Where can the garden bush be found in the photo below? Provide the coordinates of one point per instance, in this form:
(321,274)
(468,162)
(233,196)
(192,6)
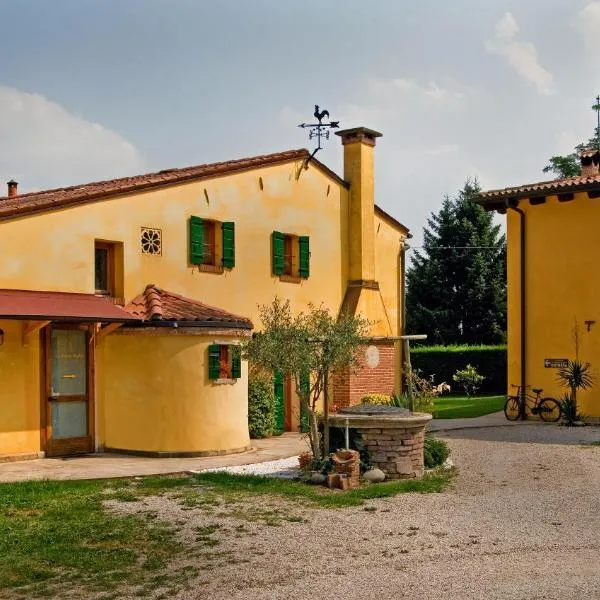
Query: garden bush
(435,452)
(261,406)
(379,399)
(443,361)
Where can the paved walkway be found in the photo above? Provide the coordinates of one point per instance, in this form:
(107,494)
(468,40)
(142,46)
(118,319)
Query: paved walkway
(496,419)
(100,466)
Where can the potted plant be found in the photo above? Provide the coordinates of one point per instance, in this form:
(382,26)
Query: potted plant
(575,376)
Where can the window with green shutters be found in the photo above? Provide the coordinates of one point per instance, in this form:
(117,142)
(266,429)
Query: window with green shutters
(290,255)
(224,361)
(205,249)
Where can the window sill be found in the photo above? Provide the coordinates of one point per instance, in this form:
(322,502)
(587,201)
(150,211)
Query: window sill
(218,269)
(224,381)
(290,279)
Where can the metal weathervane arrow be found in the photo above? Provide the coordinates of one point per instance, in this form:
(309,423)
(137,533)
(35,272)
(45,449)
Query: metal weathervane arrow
(319,130)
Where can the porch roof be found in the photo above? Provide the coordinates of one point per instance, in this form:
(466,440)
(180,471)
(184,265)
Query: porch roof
(60,306)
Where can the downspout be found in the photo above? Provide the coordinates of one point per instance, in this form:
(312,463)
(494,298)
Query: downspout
(522,270)
(403,250)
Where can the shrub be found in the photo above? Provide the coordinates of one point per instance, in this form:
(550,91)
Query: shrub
(379,399)
(435,452)
(261,406)
(469,379)
(443,361)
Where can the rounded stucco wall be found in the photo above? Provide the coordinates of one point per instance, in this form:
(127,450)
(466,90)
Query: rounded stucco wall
(156,396)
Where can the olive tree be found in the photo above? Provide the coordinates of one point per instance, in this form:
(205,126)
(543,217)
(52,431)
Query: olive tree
(313,342)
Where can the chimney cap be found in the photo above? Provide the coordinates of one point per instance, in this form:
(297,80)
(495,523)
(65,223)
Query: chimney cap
(359,134)
(13,182)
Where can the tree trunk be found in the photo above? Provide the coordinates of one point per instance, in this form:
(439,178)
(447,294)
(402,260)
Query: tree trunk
(314,434)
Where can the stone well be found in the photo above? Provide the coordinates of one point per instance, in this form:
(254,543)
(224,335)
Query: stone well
(394,436)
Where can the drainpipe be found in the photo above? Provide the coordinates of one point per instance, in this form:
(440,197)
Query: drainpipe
(522,270)
(403,250)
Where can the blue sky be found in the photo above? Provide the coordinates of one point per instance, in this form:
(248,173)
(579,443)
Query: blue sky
(97,89)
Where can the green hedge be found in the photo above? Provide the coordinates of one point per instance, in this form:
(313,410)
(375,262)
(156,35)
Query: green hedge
(443,361)
(261,407)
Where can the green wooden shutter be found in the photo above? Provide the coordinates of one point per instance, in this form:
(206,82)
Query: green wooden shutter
(228,245)
(279,401)
(214,361)
(305,389)
(236,362)
(278,253)
(196,240)
(304,246)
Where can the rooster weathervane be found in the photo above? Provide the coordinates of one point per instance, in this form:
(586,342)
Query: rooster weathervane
(319,130)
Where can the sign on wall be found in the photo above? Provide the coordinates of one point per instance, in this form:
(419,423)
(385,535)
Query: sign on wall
(372,356)
(556,363)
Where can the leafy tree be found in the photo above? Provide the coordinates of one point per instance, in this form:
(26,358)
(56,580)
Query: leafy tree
(569,165)
(456,290)
(315,343)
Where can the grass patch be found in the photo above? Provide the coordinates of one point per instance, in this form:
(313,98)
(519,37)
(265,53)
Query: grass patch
(228,484)
(53,533)
(56,536)
(462,407)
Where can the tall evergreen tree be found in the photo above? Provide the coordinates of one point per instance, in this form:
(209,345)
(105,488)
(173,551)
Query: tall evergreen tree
(456,290)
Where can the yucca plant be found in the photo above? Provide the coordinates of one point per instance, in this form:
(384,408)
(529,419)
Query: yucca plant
(575,376)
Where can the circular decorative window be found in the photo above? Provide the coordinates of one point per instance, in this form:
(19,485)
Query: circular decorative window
(151,241)
(372,356)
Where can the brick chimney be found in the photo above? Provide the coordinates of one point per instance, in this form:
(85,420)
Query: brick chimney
(359,145)
(12,188)
(590,162)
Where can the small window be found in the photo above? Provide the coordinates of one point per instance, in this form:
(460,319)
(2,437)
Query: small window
(290,255)
(104,269)
(224,362)
(212,244)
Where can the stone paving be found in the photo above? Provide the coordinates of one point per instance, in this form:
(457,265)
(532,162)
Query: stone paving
(100,466)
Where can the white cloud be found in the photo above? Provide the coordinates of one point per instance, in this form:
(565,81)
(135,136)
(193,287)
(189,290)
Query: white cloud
(588,22)
(44,145)
(382,89)
(521,56)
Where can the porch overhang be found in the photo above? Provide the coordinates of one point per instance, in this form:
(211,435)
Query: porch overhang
(32,305)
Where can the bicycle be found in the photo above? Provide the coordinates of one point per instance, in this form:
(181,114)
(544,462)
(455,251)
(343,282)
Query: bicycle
(548,409)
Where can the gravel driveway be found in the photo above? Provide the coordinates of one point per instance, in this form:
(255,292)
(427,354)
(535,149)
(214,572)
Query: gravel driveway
(522,522)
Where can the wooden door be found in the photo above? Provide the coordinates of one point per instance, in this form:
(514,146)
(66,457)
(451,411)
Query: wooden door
(69,409)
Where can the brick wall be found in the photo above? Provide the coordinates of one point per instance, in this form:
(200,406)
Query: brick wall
(350,387)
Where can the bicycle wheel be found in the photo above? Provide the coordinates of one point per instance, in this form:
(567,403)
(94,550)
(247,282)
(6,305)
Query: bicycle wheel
(512,408)
(550,410)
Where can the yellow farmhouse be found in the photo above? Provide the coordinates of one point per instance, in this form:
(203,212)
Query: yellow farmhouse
(553,293)
(123,303)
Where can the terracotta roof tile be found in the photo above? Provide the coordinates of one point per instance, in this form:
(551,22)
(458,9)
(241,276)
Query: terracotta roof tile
(79,194)
(60,306)
(555,186)
(156,304)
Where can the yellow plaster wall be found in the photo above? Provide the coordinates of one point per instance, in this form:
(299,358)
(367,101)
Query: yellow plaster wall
(156,396)
(54,251)
(19,391)
(563,254)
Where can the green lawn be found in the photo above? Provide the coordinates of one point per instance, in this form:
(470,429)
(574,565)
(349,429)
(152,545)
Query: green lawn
(460,407)
(58,539)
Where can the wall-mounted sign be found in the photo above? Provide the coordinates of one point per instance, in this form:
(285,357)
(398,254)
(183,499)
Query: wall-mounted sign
(372,356)
(556,363)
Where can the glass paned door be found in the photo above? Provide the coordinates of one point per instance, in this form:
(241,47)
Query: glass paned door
(68,398)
